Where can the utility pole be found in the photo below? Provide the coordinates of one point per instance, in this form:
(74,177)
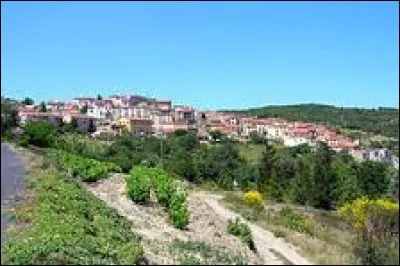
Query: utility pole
(162,151)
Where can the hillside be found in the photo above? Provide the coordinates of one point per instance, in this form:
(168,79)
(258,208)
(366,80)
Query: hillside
(384,121)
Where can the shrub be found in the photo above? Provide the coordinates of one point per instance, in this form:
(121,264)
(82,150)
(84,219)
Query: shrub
(279,233)
(193,252)
(164,188)
(24,142)
(376,223)
(178,211)
(89,170)
(253,199)
(41,134)
(138,184)
(242,231)
(291,220)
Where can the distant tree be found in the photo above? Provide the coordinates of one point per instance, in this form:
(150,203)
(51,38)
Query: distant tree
(84,109)
(42,107)
(27,101)
(256,138)
(267,167)
(216,135)
(285,171)
(9,115)
(300,188)
(180,162)
(373,179)
(187,142)
(74,124)
(346,187)
(300,149)
(323,178)
(179,132)
(99,97)
(41,134)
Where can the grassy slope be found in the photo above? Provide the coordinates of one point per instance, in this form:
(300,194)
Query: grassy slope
(60,223)
(253,152)
(384,121)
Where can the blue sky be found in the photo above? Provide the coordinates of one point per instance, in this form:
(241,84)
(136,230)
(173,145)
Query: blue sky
(208,54)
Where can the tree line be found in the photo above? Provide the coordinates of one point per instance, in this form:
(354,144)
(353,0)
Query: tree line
(311,176)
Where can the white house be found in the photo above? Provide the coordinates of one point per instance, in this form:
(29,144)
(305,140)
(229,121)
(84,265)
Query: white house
(99,111)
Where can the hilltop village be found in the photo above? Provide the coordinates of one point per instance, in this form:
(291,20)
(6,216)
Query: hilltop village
(143,116)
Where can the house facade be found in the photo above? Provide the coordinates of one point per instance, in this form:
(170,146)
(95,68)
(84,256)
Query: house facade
(141,126)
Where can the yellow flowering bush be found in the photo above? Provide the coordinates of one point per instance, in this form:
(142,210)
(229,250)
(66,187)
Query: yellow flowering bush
(377,227)
(254,199)
(362,211)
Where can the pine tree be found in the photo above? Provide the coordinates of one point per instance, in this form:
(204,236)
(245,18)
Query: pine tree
(43,107)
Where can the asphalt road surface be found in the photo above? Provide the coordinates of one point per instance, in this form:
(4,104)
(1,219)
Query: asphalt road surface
(12,183)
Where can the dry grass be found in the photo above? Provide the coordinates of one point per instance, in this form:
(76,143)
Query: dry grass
(330,245)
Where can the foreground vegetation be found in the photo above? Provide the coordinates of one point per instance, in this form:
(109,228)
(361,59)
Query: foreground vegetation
(363,232)
(200,253)
(242,231)
(61,223)
(298,175)
(321,237)
(376,224)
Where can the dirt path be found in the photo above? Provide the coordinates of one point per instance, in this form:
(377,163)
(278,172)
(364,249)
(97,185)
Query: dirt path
(264,240)
(151,222)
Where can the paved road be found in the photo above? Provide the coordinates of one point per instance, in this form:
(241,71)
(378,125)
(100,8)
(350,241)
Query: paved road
(12,181)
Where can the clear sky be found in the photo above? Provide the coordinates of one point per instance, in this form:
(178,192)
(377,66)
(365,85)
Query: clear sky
(207,54)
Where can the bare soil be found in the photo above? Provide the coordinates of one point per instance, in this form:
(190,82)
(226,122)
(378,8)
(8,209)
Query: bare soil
(151,222)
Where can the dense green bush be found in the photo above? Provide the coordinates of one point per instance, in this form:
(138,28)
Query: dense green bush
(24,142)
(41,133)
(178,211)
(138,184)
(143,179)
(242,231)
(9,115)
(164,187)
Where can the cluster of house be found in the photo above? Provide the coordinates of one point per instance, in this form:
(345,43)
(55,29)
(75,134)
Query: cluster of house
(289,133)
(136,114)
(143,116)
